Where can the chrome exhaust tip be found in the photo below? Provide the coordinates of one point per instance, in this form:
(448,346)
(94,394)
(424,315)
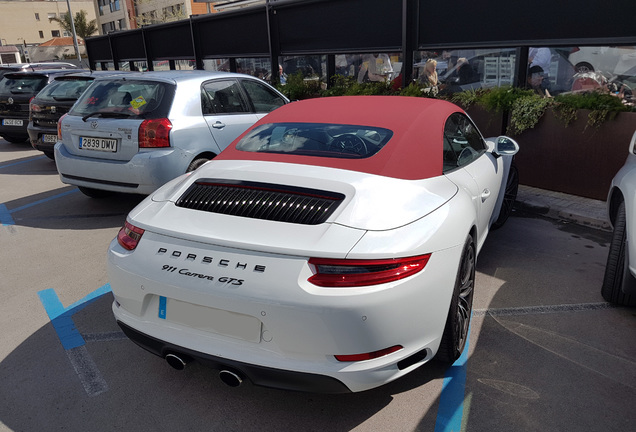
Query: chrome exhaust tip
(230,378)
(176,362)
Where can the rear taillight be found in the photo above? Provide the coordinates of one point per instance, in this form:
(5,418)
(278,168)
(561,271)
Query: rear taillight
(59,127)
(342,273)
(368,356)
(33,107)
(155,133)
(129,236)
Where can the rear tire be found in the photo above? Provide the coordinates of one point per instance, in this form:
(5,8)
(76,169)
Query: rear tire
(617,275)
(15,140)
(196,164)
(50,155)
(94,193)
(461,307)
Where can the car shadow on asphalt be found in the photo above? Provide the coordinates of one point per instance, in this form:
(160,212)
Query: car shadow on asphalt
(31,165)
(45,389)
(67,208)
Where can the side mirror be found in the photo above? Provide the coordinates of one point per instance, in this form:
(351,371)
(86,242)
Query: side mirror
(505,146)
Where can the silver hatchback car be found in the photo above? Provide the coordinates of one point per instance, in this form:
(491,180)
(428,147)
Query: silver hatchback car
(133,133)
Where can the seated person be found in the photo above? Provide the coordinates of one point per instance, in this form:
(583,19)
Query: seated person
(535,80)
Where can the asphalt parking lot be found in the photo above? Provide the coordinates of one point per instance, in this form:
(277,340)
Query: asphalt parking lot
(546,353)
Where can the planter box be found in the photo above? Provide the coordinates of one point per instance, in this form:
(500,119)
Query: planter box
(576,159)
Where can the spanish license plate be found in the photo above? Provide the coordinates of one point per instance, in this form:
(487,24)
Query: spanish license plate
(12,122)
(49,138)
(100,144)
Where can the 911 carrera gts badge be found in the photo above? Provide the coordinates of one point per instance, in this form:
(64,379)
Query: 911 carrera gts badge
(189,273)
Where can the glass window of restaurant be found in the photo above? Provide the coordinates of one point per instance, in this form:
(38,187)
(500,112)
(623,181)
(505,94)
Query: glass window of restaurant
(311,67)
(218,64)
(451,71)
(256,66)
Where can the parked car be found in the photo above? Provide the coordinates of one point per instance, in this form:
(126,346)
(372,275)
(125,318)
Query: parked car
(331,248)
(614,60)
(132,134)
(17,67)
(53,101)
(619,282)
(16,91)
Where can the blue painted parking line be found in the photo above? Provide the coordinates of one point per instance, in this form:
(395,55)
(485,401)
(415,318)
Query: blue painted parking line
(5,214)
(451,401)
(62,319)
(22,162)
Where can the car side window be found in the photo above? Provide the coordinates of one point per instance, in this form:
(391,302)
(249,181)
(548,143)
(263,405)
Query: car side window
(223,97)
(262,97)
(462,142)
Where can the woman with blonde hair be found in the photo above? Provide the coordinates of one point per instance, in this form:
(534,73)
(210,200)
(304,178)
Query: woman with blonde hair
(430,73)
(429,76)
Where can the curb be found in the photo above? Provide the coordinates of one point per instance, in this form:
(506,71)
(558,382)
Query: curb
(557,205)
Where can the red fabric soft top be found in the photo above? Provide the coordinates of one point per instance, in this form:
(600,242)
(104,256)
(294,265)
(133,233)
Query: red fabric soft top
(414,152)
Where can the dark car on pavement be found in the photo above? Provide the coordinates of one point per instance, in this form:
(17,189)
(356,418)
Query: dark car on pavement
(16,91)
(53,101)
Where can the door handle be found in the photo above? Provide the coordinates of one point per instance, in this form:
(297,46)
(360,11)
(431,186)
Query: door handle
(218,125)
(485,195)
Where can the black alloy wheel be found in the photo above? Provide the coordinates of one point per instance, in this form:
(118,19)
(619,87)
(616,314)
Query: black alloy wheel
(458,321)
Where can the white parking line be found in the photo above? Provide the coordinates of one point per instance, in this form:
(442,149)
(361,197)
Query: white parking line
(530,310)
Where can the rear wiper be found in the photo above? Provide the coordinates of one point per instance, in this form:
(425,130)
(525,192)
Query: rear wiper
(107,114)
(63,99)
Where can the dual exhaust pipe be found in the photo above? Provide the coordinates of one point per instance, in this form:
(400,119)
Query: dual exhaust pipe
(229,377)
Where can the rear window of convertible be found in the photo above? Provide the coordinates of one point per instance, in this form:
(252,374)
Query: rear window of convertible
(316,139)
(130,98)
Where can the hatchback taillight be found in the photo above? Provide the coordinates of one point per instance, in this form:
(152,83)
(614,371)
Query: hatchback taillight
(343,273)
(59,127)
(155,133)
(129,236)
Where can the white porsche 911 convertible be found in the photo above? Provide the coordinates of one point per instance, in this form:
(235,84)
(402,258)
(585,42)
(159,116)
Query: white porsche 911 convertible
(331,248)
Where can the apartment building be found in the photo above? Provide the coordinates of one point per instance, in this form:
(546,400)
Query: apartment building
(116,15)
(26,22)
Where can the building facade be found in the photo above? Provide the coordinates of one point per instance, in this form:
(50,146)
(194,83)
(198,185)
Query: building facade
(26,22)
(116,15)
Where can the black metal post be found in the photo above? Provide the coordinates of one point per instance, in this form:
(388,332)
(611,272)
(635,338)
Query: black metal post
(274,42)
(409,37)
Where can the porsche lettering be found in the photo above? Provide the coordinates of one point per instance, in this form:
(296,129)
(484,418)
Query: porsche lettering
(209,260)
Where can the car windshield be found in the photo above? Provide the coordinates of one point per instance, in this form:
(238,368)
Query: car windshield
(22,84)
(63,90)
(130,98)
(316,139)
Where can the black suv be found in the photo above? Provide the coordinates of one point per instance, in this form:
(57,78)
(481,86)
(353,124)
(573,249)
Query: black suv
(52,102)
(16,91)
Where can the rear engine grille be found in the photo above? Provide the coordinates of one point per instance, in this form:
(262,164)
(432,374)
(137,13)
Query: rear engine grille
(261,201)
